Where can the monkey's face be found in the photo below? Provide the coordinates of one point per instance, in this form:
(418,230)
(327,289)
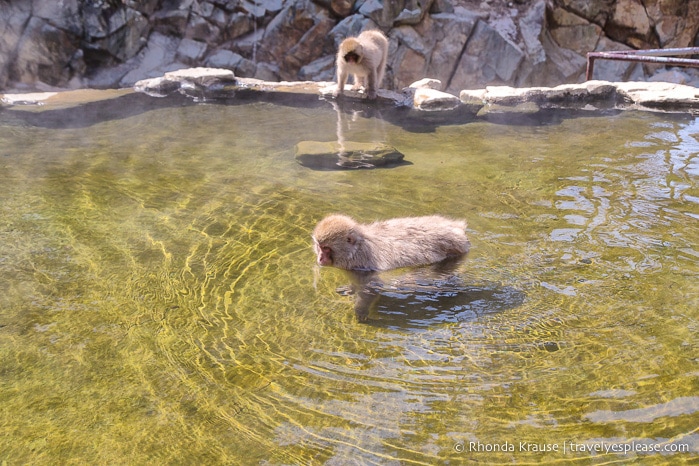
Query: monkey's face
(351,51)
(324,253)
(336,242)
(352,57)
(336,252)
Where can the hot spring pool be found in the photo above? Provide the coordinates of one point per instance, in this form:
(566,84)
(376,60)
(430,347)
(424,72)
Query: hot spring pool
(159,302)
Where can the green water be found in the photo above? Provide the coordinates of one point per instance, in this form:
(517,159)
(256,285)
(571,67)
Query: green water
(159,302)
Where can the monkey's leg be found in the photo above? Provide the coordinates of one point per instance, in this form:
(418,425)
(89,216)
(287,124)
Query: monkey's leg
(371,84)
(381,72)
(358,82)
(365,301)
(341,81)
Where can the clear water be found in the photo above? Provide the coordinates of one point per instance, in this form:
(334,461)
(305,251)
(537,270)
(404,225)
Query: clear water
(159,301)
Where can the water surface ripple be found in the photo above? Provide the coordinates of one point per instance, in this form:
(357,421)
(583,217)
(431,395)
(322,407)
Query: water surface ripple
(159,301)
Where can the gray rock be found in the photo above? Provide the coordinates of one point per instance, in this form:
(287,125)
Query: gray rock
(44,54)
(347,155)
(532,27)
(15,17)
(442,6)
(309,47)
(160,50)
(240,24)
(413,13)
(255,9)
(267,72)
(341,8)
(170,22)
(200,29)
(223,59)
(488,58)
(322,69)
(427,83)
(195,82)
(299,22)
(452,33)
(109,77)
(349,27)
(190,51)
(594,11)
(232,61)
(431,100)
(670,76)
(465,44)
(118,35)
(64,15)
(373,9)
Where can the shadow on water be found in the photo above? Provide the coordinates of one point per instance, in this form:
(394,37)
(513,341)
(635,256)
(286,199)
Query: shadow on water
(414,121)
(135,103)
(426,296)
(90,113)
(406,307)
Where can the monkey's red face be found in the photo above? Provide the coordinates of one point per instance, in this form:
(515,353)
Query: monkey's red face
(325,256)
(351,57)
(324,253)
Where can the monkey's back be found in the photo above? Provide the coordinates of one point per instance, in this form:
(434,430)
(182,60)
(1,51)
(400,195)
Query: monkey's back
(402,242)
(375,37)
(376,47)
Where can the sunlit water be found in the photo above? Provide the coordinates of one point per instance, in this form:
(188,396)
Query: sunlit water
(159,301)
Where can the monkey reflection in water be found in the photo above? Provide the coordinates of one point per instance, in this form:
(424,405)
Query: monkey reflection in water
(365,249)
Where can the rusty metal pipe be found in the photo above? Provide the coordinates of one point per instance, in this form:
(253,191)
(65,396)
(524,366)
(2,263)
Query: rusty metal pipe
(657,52)
(655,56)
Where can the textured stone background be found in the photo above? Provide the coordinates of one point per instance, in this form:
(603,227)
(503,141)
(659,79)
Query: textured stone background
(467,44)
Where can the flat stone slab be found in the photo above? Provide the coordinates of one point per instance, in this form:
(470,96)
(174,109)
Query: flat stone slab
(186,81)
(589,95)
(348,155)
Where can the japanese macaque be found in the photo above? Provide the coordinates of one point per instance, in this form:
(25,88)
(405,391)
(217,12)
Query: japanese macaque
(341,242)
(364,57)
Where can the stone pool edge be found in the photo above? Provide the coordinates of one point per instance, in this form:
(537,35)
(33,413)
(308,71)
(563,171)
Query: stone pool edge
(422,96)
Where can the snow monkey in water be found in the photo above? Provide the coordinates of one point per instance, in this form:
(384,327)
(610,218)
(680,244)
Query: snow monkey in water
(365,249)
(364,57)
(341,242)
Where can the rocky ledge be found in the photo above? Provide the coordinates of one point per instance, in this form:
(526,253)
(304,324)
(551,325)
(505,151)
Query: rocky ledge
(424,96)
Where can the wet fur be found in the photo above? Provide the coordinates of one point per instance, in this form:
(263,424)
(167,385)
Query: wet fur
(388,244)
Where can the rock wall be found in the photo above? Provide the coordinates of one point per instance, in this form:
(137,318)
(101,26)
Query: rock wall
(467,44)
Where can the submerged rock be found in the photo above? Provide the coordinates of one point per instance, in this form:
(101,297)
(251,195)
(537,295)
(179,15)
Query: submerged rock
(348,155)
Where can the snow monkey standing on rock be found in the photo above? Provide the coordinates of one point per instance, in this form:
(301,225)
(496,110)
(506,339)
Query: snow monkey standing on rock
(364,57)
(341,242)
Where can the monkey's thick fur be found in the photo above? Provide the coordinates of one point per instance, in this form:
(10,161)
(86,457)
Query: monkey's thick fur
(341,242)
(364,57)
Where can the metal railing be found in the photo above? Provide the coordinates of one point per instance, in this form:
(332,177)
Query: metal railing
(655,56)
